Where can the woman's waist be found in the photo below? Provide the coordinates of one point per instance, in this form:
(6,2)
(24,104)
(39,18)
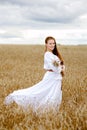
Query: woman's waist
(50,70)
(53,75)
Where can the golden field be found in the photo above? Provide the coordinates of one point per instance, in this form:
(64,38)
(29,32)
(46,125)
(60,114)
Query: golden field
(21,66)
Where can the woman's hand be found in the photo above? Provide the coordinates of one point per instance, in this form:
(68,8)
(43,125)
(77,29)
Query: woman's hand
(63,70)
(63,67)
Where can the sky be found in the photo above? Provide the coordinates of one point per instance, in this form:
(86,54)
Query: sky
(31,21)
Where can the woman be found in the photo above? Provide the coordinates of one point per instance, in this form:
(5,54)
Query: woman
(47,93)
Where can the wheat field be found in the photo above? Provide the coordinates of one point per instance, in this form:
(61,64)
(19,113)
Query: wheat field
(21,66)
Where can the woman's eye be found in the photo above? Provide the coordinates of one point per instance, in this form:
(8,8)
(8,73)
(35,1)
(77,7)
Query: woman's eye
(50,43)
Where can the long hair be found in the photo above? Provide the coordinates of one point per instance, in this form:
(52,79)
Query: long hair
(55,51)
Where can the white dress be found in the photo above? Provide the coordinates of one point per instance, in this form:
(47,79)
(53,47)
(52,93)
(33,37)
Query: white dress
(45,94)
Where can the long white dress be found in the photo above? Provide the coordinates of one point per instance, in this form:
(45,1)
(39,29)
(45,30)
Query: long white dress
(45,94)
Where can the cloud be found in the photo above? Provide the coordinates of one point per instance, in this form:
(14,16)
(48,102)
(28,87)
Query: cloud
(22,20)
(10,34)
(27,36)
(27,13)
(10,15)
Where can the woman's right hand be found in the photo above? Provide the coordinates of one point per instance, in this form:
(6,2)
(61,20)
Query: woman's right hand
(62,70)
(63,67)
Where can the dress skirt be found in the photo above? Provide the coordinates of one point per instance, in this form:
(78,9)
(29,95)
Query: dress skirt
(45,94)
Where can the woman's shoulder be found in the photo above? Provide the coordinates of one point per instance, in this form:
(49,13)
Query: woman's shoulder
(48,55)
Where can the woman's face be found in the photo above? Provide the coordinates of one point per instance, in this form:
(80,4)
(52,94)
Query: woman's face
(50,45)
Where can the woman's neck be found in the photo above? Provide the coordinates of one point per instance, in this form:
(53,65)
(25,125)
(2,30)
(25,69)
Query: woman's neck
(49,51)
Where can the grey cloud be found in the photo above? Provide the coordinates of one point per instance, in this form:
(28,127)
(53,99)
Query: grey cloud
(27,2)
(40,12)
(55,13)
(10,15)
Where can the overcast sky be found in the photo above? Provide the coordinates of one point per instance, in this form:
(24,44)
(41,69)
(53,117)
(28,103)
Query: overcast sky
(30,21)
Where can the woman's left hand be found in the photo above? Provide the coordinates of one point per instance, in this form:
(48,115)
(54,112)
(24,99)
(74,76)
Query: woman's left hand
(63,67)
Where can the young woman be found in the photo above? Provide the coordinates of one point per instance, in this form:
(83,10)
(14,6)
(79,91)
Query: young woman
(47,93)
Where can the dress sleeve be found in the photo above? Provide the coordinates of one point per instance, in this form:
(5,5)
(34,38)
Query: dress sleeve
(48,63)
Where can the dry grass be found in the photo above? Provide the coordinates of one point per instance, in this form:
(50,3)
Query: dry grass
(21,66)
